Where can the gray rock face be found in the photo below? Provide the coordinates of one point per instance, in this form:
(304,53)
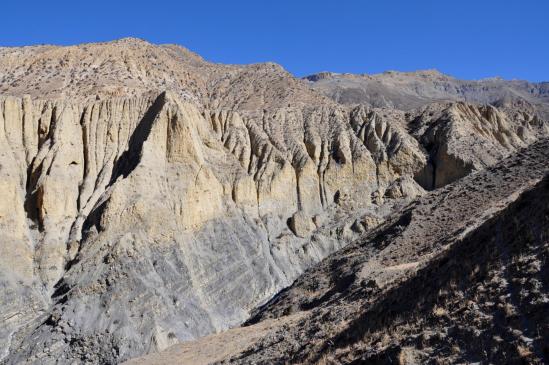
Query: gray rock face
(150,197)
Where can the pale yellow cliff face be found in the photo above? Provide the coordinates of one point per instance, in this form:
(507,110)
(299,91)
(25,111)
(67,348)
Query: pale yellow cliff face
(190,164)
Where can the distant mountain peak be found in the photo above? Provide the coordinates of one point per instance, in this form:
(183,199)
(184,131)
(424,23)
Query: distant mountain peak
(321,76)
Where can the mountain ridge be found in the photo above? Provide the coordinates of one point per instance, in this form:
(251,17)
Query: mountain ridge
(408,90)
(426,72)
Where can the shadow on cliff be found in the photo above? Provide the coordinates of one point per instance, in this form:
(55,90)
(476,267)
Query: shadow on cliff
(129,160)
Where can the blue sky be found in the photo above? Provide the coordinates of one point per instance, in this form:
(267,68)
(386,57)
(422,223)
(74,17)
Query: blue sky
(467,39)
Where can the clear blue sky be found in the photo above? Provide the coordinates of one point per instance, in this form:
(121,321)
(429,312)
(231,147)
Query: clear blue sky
(467,39)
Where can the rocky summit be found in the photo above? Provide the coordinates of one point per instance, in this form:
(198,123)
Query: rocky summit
(159,208)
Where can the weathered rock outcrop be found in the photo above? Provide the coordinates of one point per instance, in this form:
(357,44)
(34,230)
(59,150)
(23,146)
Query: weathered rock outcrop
(460,138)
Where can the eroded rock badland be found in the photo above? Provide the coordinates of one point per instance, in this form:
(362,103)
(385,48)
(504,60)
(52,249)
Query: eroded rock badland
(152,202)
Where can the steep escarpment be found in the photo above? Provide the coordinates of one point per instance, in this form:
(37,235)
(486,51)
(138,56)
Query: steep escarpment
(476,250)
(151,197)
(124,203)
(56,162)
